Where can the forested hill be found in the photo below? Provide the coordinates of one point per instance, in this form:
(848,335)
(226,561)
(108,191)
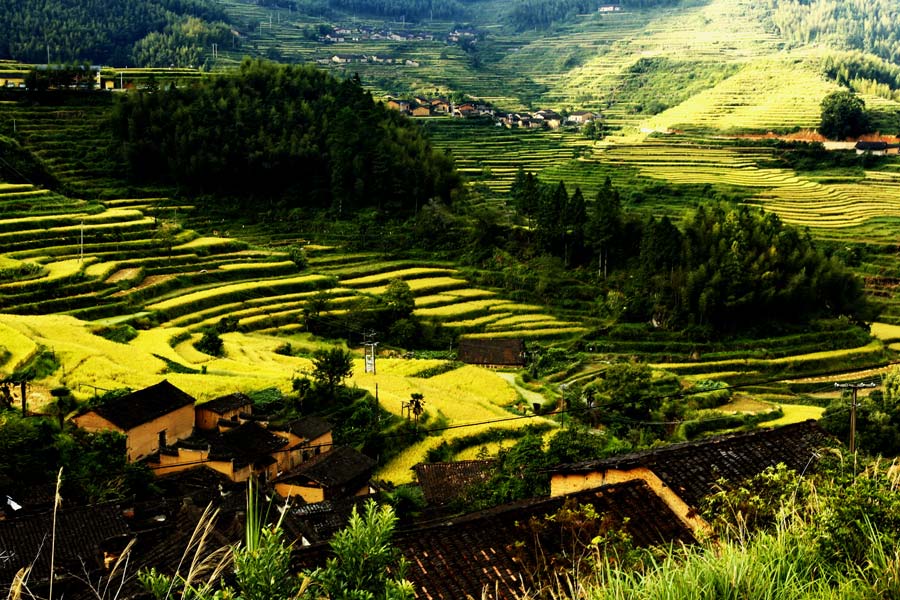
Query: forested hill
(112,32)
(292,135)
(869,25)
(539,14)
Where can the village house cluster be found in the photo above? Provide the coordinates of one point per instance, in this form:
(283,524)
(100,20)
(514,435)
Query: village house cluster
(421,106)
(168,429)
(203,452)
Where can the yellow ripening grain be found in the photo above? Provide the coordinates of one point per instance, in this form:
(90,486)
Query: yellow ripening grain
(419,285)
(204,242)
(101,270)
(883,331)
(251,266)
(225,290)
(19,345)
(54,270)
(460,308)
(398,274)
(469,377)
(406,367)
(89,360)
(86,358)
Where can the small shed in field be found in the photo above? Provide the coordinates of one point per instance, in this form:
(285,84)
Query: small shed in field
(493,352)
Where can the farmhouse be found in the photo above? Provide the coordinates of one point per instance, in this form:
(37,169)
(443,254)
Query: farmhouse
(493,352)
(581,117)
(225,408)
(86,539)
(312,434)
(151,418)
(682,474)
(245,447)
(444,482)
(340,473)
(246,450)
(12,79)
(876,148)
(495,549)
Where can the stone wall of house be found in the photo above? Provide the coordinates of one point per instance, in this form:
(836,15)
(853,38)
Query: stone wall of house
(143,440)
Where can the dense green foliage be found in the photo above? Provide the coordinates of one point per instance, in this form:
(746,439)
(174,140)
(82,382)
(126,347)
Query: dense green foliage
(864,73)
(410,9)
(290,134)
(521,471)
(869,25)
(20,166)
(540,14)
(95,465)
(724,269)
(331,367)
(105,31)
(877,418)
(365,566)
(843,116)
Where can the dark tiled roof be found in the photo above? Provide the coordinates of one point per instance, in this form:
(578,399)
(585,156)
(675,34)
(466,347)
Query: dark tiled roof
(144,405)
(492,351)
(309,427)
(32,497)
(203,486)
(319,521)
(247,443)
(871,145)
(167,545)
(339,466)
(224,404)
(81,534)
(691,469)
(461,557)
(444,482)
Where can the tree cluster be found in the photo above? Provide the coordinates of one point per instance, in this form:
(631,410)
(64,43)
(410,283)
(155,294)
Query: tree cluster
(541,14)
(95,467)
(410,9)
(864,73)
(877,418)
(843,116)
(292,135)
(869,25)
(99,31)
(724,269)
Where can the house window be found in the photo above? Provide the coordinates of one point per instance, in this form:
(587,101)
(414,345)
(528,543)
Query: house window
(162,438)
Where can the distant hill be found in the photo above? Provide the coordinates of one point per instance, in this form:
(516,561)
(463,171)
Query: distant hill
(113,32)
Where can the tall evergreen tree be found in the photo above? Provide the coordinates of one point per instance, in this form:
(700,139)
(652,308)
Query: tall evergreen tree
(604,226)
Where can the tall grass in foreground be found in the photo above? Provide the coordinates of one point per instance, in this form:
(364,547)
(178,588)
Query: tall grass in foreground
(839,543)
(781,565)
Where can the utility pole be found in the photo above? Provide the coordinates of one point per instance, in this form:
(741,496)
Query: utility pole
(81,253)
(369,343)
(855,387)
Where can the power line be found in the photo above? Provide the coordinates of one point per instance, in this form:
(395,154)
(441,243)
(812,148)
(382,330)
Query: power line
(614,404)
(679,394)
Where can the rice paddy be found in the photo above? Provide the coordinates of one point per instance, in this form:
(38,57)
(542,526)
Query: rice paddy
(122,257)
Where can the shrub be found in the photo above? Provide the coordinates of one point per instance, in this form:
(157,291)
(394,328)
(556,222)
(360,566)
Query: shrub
(121,334)
(211,343)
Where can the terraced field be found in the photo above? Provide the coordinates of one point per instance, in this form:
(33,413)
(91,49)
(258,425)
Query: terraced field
(490,156)
(798,200)
(72,141)
(768,94)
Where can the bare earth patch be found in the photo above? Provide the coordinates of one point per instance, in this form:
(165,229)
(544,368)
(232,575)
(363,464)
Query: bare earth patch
(123,275)
(147,282)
